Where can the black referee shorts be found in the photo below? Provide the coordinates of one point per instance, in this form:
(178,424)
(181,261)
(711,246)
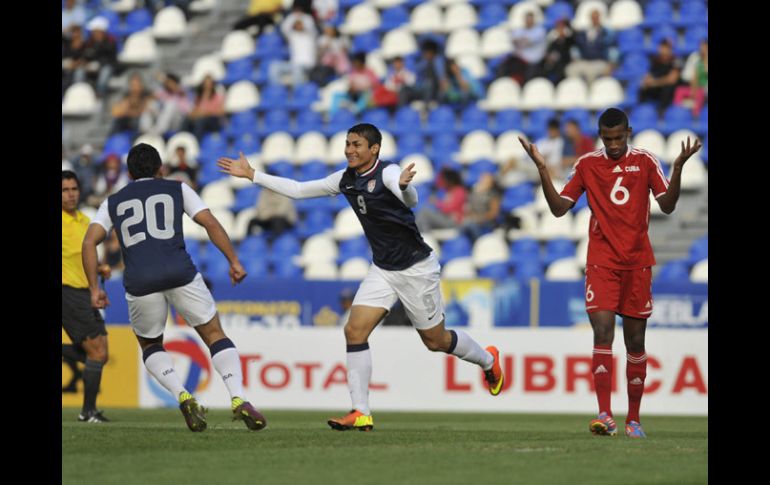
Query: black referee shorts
(79,319)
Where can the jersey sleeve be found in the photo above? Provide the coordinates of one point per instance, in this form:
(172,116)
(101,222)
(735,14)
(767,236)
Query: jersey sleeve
(300,190)
(575,187)
(656,180)
(192,201)
(390,177)
(102,217)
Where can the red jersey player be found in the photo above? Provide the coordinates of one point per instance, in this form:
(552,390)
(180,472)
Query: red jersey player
(618,179)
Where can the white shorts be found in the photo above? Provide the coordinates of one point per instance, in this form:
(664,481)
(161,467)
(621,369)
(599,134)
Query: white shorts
(418,287)
(193,301)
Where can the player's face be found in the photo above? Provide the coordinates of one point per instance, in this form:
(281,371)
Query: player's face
(69,195)
(358,152)
(615,140)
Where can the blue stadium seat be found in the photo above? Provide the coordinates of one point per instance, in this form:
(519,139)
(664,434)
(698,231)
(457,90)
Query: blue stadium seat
(284,247)
(556,249)
(630,40)
(517,196)
(443,146)
(644,117)
(558,10)
(261,75)
(193,247)
(472,118)
(246,197)
(477,168)
(507,119)
(242,122)
(212,146)
(699,250)
(705,150)
(365,42)
(490,15)
(661,32)
(285,268)
(303,96)
(524,249)
(307,120)
(341,121)
(528,269)
(357,247)
(657,12)
(114,28)
(583,118)
(496,271)
(137,20)
(256,267)
(440,120)
(281,169)
(405,120)
(409,143)
(217,266)
(239,70)
(676,271)
(423,196)
(253,245)
(537,124)
(692,12)
(315,221)
(633,67)
(271,46)
(347,4)
(119,143)
(459,247)
(275,120)
(273,96)
(247,143)
(393,17)
(676,118)
(312,170)
(691,40)
(378,117)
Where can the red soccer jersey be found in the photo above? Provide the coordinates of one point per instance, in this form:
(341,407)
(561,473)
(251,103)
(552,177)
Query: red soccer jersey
(618,194)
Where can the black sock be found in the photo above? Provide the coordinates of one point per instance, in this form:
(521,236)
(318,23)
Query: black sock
(71,353)
(92,376)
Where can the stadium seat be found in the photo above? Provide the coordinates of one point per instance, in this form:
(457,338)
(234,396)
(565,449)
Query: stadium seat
(551,227)
(79,101)
(495,42)
(507,120)
(581,253)
(458,247)
(440,120)
(203,66)
(518,12)
(245,197)
(158,143)
(392,18)
(426,18)
(340,121)
(346,225)
(526,270)
(556,11)
(359,19)
(406,120)
(321,270)
(188,140)
(477,169)
(202,6)
(136,20)
(398,42)
(286,269)
(241,96)
(496,271)
(354,269)
(310,146)
(217,195)
(459,16)
(700,272)
(423,167)
(557,249)
(355,247)
(674,271)
(674,144)
(240,228)
(657,12)
(272,97)
(459,269)
(503,93)
(537,93)
(275,120)
(307,120)
(476,145)
(242,123)
(605,92)
(462,41)
(692,13)
(625,14)
(488,249)
(676,118)
(582,19)
(652,141)
(271,47)
(491,15)
(571,92)
(581,222)
(284,248)
(565,269)
(517,196)
(237,44)
(313,169)
(139,49)
(475,66)
(471,119)
(169,24)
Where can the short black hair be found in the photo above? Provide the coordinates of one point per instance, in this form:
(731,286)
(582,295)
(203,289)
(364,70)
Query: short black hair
(613,117)
(554,123)
(451,176)
(70,175)
(429,45)
(143,161)
(358,57)
(368,131)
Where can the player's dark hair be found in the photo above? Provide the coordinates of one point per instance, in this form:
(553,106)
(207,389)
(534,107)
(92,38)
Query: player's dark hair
(368,131)
(143,161)
(613,117)
(70,175)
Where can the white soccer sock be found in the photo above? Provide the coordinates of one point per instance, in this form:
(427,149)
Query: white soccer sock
(468,350)
(160,365)
(359,362)
(228,363)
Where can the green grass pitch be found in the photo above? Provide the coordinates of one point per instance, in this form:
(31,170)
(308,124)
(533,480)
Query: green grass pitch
(149,447)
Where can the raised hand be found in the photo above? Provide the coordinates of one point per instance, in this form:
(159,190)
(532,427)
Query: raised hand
(236,168)
(533,153)
(687,152)
(406,176)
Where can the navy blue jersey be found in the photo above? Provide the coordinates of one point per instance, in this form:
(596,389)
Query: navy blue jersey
(147,216)
(388,224)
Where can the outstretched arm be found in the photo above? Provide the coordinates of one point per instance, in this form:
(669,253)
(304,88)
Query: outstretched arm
(398,183)
(667,201)
(558,204)
(284,186)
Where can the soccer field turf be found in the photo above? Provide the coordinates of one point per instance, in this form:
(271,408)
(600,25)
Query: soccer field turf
(155,447)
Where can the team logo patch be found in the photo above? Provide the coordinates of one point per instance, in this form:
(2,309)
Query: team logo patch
(370,185)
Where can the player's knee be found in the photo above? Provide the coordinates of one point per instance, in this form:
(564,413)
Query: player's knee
(354,334)
(635,344)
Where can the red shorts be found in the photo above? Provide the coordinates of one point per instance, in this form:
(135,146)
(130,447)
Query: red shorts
(626,292)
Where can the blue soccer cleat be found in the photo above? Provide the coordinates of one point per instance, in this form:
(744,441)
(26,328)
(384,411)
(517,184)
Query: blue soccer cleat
(634,430)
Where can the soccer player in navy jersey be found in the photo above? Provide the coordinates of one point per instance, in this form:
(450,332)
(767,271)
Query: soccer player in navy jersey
(404,267)
(617,179)
(147,215)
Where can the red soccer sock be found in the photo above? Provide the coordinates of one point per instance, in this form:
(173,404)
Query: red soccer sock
(601,367)
(636,372)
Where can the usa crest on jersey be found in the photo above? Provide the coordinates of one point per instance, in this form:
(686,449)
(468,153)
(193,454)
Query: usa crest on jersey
(370,185)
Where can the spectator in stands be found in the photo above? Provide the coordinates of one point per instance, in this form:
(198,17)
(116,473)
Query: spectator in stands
(184,170)
(260,14)
(529,45)
(110,177)
(429,69)
(459,86)
(101,53)
(300,32)
(127,112)
(482,210)
(333,57)
(696,75)
(513,172)
(72,14)
(325,11)
(83,166)
(552,147)
(448,212)
(576,143)
(595,55)
(208,109)
(361,84)
(558,53)
(169,109)
(276,214)
(388,94)
(73,59)
(659,83)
